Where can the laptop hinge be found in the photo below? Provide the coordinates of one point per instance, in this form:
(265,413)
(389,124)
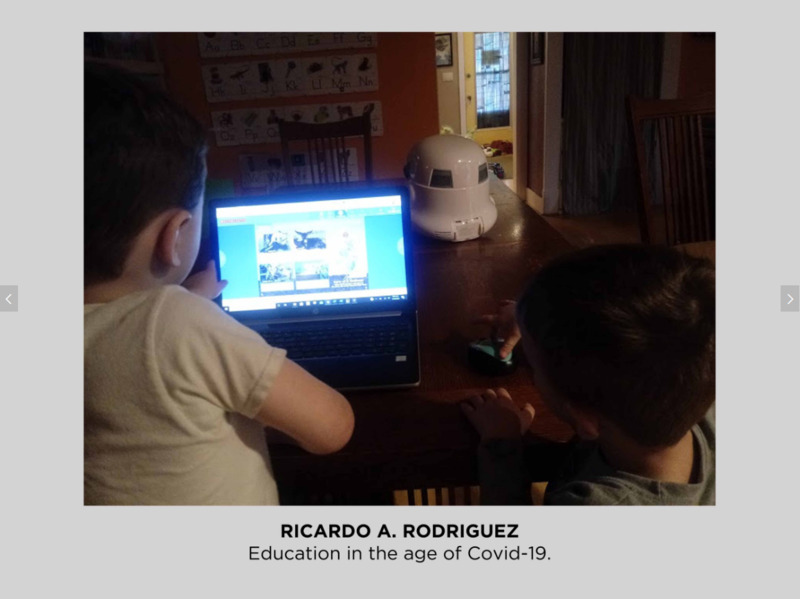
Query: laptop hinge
(325,318)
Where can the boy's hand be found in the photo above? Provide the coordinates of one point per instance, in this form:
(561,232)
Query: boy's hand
(504,326)
(495,415)
(204,283)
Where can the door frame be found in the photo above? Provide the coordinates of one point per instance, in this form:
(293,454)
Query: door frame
(515,101)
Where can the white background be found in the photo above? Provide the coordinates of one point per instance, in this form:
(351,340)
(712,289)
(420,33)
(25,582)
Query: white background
(53,546)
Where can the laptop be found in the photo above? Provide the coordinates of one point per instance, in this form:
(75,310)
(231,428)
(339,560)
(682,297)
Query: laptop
(326,274)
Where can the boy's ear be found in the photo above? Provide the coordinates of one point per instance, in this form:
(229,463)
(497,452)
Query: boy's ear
(169,238)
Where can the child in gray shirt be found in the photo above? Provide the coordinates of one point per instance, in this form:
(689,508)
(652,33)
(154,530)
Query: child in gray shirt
(622,346)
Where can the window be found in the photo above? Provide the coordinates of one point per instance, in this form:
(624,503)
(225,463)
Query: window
(492,79)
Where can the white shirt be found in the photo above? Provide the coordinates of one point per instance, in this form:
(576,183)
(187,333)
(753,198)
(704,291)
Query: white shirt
(171,386)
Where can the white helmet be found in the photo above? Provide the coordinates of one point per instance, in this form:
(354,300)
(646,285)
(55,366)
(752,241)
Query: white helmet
(449,180)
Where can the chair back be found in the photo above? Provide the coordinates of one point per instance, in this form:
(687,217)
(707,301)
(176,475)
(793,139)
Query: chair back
(325,148)
(674,145)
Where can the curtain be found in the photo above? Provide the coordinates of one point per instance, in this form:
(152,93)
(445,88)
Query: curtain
(598,162)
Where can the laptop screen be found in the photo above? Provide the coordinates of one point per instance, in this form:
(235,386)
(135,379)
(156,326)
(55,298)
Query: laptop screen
(285,256)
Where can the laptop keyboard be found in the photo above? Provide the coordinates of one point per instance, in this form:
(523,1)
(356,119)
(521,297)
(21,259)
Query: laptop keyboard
(337,340)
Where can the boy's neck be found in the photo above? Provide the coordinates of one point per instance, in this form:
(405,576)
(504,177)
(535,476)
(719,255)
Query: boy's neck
(141,273)
(669,464)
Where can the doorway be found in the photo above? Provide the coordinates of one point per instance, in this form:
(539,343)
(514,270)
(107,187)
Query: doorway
(488,100)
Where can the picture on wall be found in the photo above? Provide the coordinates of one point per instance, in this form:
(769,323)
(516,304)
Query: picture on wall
(444,49)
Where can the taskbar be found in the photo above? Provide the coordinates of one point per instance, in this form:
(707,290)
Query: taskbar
(340,301)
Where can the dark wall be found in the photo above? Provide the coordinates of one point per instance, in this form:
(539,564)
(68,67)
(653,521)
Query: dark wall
(698,65)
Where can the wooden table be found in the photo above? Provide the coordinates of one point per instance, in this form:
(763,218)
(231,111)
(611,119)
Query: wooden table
(418,438)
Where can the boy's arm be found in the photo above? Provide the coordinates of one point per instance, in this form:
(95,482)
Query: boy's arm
(504,326)
(501,473)
(501,467)
(301,406)
(200,351)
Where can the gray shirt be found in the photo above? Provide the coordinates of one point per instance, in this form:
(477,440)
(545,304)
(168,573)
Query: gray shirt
(587,479)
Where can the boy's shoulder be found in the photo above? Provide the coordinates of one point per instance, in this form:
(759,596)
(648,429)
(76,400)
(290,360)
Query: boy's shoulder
(170,308)
(587,479)
(166,297)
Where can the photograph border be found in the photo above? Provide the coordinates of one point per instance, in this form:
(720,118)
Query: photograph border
(445,59)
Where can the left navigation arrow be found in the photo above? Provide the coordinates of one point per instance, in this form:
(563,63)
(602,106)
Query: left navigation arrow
(8,298)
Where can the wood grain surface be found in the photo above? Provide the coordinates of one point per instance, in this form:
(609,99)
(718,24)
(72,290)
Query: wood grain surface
(416,438)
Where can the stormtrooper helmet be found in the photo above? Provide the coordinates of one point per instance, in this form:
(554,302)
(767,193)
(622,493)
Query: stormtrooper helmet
(449,180)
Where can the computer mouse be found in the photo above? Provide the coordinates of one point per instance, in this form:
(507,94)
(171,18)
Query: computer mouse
(483,357)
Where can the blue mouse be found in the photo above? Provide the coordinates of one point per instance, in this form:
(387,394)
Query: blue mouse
(483,357)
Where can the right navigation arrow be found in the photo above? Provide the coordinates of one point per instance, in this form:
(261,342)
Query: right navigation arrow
(790,293)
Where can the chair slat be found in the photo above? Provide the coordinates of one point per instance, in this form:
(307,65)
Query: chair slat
(327,147)
(675,157)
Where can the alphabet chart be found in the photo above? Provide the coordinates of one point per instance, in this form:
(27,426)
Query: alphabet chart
(256,44)
(282,77)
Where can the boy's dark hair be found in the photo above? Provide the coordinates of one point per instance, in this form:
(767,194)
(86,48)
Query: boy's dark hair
(628,331)
(143,154)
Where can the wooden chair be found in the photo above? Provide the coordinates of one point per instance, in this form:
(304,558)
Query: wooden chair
(674,145)
(325,148)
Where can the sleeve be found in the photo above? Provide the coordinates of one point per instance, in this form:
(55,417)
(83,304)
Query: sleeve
(502,474)
(709,427)
(199,351)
